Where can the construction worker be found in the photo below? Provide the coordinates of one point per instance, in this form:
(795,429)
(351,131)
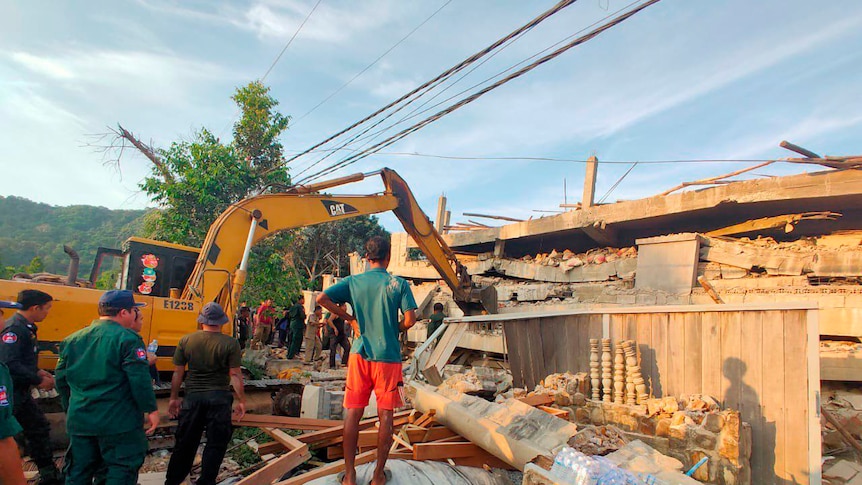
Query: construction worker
(297,326)
(313,344)
(11,468)
(104,383)
(214,366)
(19,350)
(375,359)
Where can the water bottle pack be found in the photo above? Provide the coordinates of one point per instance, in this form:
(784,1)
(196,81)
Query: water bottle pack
(575,468)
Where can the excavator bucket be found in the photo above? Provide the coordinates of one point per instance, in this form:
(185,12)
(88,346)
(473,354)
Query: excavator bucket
(480,300)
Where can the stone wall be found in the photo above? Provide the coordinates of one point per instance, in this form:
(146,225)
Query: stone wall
(687,429)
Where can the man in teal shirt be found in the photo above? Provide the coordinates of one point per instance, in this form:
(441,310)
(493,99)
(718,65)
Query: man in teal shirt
(103,378)
(375,358)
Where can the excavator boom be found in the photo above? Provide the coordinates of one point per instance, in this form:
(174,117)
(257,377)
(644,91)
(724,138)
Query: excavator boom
(220,271)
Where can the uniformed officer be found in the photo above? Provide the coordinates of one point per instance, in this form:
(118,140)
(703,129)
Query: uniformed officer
(19,349)
(104,383)
(11,468)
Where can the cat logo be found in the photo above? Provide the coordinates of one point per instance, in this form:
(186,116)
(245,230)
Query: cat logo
(336,209)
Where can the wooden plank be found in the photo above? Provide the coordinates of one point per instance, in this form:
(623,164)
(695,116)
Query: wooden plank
(431,451)
(711,377)
(289,442)
(267,421)
(766,461)
(536,365)
(795,396)
(330,469)
(514,348)
(560,413)
(752,346)
(676,354)
(537,399)
(368,437)
(582,349)
(645,349)
(631,327)
(733,363)
(659,323)
(814,439)
(553,344)
(278,467)
(439,357)
(693,377)
(333,435)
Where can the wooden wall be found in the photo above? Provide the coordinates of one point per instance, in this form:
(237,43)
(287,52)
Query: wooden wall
(761,360)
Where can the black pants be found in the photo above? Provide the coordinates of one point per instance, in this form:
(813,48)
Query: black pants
(334,342)
(201,410)
(37,430)
(282,337)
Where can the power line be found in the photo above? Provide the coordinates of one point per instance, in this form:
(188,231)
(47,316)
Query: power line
(440,77)
(398,136)
(274,62)
(416,112)
(318,105)
(290,41)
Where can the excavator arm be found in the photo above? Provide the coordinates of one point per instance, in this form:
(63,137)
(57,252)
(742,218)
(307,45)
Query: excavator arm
(220,271)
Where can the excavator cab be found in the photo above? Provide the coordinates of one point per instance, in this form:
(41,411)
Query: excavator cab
(149,267)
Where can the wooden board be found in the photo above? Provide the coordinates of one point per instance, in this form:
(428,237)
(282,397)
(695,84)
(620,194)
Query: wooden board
(753,358)
(433,370)
(278,467)
(267,421)
(330,469)
(431,451)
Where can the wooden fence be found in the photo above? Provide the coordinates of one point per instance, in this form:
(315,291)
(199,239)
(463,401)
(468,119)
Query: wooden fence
(759,359)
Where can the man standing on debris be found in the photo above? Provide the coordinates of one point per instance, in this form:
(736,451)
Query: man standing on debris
(213,360)
(297,326)
(338,338)
(243,323)
(313,345)
(375,359)
(11,468)
(19,350)
(104,383)
(263,320)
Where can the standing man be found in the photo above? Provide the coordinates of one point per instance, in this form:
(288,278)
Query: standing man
(11,468)
(243,322)
(264,319)
(213,361)
(297,326)
(281,326)
(104,383)
(19,350)
(375,359)
(313,346)
(338,338)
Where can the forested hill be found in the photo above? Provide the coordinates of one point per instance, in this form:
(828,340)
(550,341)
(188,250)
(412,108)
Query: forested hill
(30,229)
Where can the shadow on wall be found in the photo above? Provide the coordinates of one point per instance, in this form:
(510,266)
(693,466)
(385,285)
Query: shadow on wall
(741,395)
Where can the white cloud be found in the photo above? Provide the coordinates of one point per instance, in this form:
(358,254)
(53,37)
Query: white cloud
(279,20)
(41,65)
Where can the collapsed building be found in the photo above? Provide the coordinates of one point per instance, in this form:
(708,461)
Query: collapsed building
(755,250)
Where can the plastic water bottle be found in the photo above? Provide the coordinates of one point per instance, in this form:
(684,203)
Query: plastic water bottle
(153,347)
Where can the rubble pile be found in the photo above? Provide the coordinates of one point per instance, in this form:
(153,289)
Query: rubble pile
(567,260)
(598,440)
(844,403)
(687,429)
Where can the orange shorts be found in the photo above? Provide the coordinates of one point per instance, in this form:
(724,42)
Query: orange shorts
(363,376)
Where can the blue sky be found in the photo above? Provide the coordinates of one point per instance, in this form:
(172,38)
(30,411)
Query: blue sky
(681,80)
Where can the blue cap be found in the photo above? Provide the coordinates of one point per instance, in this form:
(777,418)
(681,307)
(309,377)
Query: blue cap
(10,304)
(119,299)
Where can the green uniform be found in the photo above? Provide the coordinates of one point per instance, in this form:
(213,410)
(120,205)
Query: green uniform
(376,296)
(8,424)
(210,356)
(104,383)
(434,324)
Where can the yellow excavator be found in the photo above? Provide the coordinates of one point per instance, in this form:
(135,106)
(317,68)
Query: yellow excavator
(175,280)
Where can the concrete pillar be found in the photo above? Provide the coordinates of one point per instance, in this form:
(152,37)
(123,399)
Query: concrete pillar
(440,220)
(590,182)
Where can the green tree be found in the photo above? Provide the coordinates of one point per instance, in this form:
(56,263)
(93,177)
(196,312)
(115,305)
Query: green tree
(195,181)
(325,248)
(35,266)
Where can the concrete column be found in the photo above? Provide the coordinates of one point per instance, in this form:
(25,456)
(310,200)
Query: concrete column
(590,182)
(441,213)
